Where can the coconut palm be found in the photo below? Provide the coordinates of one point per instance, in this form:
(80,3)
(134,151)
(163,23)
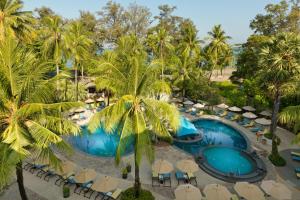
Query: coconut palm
(280,67)
(217,48)
(160,43)
(13,21)
(77,44)
(29,121)
(137,115)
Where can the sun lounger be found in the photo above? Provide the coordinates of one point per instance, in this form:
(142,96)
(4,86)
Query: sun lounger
(192,178)
(35,167)
(181,176)
(294,153)
(296,158)
(165,178)
(115,195)
(62,178)
(244,121)
(235,117)
(297,169)
(83,187)
(256,129)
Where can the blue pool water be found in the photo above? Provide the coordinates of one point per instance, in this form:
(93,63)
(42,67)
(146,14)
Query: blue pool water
(228,160)
(214,133)
(98,143)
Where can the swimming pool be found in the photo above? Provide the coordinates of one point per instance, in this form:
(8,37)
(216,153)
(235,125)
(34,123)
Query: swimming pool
(98,143)
(228,160)
(214,133)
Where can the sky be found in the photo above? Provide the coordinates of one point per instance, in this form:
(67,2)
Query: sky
(233,15)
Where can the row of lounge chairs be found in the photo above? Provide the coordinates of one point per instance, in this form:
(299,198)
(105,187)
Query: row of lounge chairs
(296,157)
(46,172)
(165,179)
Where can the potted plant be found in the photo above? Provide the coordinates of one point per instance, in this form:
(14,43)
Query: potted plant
(124,173)
(128,167)
(66,191)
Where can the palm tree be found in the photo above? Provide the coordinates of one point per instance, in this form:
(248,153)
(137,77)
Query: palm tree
(279,61)
(29,121)
(137,114)
(217,48)
(77,44)
(291,115)
(53,40)
(13,21)
(189,53)
(160,43)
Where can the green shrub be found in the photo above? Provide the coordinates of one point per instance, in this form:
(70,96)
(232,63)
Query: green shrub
(66,192)
(277,160)
(129,194)
(269,136)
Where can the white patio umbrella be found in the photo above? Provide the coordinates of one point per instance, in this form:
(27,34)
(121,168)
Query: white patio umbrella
(100,99)
(235,109)
(249,115)
(216,192)
(199,105)
(249,108)
(187,166)
(89,101)
(263,121)
(187,192)
(188,102)
(266,113)
(222,106)
(276,190)
(249,191)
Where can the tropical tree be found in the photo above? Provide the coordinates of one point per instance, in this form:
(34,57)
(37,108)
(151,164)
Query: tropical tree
(280,68)
(29,121)
(137,115)
(13,21)
(291,115)
(217,49)
(160,43)
(77,44)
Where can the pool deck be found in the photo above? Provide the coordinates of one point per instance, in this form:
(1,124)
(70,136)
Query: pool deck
(106,166)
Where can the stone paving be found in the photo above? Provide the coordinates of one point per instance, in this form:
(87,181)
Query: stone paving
(106,166)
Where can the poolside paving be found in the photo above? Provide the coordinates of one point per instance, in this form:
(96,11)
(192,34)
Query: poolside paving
(106,166)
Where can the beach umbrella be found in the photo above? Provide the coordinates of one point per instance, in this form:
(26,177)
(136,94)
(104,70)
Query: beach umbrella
(263,121)
(100,99)
(188,102)
(162,166)
(85,175)
(187,192)
(187,166)
(176,89)
(249,191)
(249,115)
(249,108)
(276,190)
(90,85)
(105,184)
(79,110)
(199,105)
(75,117)
(266,113)
(88,101)
(216,192)
(235,109)
(66,168)
(222,106)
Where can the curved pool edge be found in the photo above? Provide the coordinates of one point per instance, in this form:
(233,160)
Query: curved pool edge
(236,127)
(256,175)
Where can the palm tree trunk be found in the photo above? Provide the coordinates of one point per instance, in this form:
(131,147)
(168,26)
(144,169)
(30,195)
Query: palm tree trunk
(274,124)
(66,89)
(162,62)
(137,183)
(20,180)
(81,72)
(76,83)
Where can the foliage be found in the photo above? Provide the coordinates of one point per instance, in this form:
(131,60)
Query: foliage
(129,194)
(278,161)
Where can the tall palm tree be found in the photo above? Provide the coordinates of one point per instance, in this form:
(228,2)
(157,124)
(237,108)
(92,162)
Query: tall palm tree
(217,48)
(29,121)
(77,44)
(160,43)
(53,40)
(280,67)
(13,21)
(137,114)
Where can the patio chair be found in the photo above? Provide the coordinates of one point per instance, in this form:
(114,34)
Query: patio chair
(294,153)
(155,177)
(181,176)
(166,178)
(79,187)
(38,167)
(229,115)
(256,129)
(192,178)
(62,178)
(297,169)
(115,195)
(250,124)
